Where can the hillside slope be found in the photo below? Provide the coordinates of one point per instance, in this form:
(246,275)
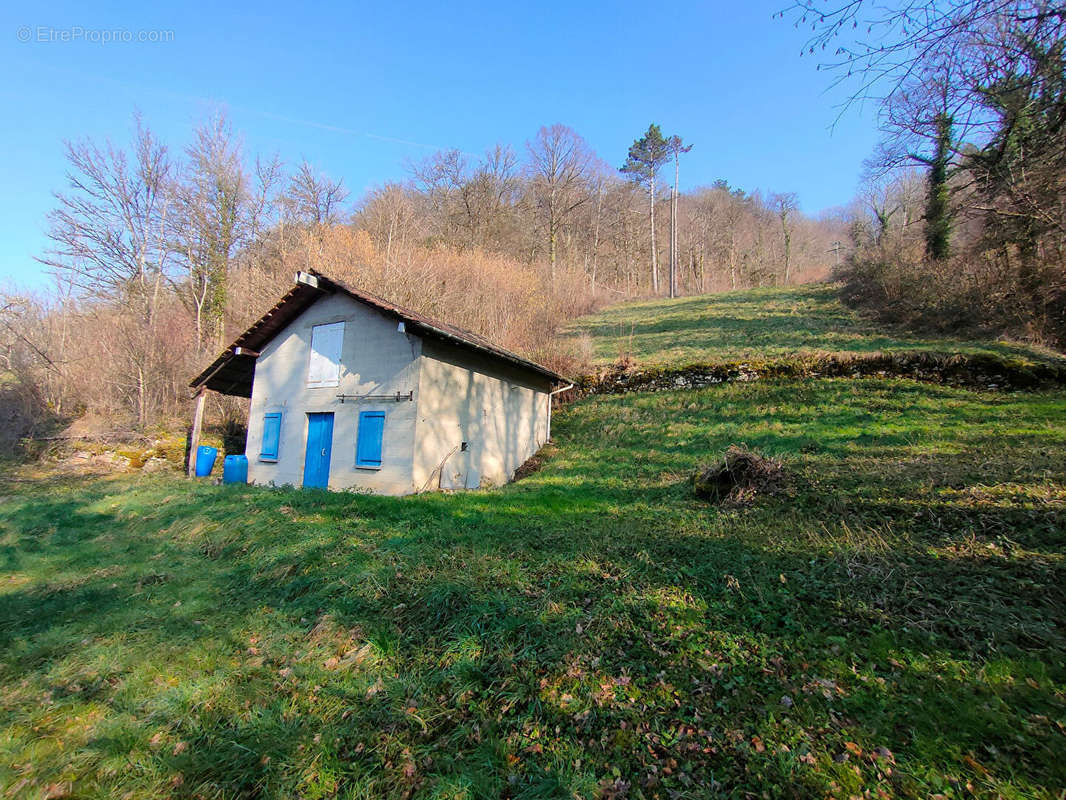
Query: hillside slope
(754,324)
(891,623)
(592,630)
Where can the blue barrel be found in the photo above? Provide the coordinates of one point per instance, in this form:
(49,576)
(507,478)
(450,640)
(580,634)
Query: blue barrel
(235,469)
(205,460)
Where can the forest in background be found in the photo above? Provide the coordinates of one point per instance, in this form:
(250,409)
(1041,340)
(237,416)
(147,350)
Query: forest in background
(162,255)
(961,224)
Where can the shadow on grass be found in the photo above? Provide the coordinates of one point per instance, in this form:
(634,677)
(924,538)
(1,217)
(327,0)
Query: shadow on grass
(760,325)
(423,601)
(593,623)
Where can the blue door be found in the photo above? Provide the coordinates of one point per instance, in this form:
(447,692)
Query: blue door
(319,447)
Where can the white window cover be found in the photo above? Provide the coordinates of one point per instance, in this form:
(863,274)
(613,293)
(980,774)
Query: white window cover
(325,368)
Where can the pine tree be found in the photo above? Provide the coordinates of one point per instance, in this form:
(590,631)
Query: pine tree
(646,157)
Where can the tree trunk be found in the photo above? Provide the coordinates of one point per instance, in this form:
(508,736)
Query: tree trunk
(673,230)
(654,254)
(937,211)
(788,253)
(732,264)
(551,250)
(596,234)
(552,225)
(142,398)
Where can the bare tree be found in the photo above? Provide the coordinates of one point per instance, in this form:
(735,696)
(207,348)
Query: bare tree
(213,217)
(391,216)
(313,198)
(599,182)
(109,239)
(559,165)
(263,210)
(161,257)
(980,85)
(469,201)
(108,233)
(785,206)
(880,48)
(676,148)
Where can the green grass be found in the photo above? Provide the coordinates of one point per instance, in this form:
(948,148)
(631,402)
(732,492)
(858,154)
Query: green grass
(589,631)
(754,324)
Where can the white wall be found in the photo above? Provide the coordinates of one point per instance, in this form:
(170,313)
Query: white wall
(501,412)
(375,359)
(459,396)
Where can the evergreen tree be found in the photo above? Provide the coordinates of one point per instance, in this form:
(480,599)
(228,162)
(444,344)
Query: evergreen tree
(646,157)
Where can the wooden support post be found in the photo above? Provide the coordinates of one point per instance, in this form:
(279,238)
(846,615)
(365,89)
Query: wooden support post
(197,425)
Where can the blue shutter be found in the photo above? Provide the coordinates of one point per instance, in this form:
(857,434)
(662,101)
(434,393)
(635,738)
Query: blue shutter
(271,437)
(368,444)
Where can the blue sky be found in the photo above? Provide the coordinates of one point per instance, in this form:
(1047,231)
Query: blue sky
(359,89)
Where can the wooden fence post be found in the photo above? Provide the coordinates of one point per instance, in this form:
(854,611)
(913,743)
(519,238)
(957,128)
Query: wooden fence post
(197,424)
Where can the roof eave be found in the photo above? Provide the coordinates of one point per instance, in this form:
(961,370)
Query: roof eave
(308,288)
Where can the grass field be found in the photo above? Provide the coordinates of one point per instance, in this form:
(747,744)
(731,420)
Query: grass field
(754,324)
(893,625)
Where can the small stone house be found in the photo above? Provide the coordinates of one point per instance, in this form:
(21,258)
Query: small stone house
(350,391)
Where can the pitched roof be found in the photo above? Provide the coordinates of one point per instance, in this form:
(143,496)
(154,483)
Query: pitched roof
(232,372)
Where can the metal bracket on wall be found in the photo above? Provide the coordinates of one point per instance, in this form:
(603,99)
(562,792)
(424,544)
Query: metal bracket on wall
(398,397)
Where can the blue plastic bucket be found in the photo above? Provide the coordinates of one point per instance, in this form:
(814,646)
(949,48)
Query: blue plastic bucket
(235,469)
(205,460)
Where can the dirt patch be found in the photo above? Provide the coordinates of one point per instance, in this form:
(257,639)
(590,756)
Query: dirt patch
(534,462)
(739,478)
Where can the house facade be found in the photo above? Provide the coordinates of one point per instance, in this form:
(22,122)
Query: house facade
(349,391)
